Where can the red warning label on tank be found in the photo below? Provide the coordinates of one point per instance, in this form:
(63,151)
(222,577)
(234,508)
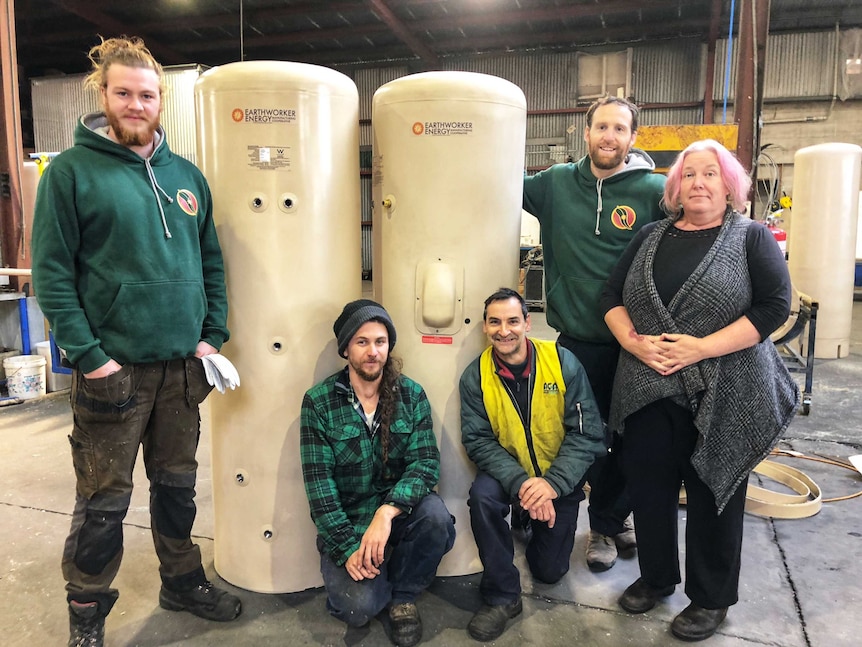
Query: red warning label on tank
(436,339)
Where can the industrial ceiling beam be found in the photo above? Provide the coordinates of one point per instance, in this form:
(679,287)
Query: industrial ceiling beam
(112,27)
(404,34)
(188,49)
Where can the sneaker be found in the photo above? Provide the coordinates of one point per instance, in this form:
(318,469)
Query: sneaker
(626,540)
(641,596)
(601,552)
(696,623)
(86,625)
(205,601)
(490,621)
(406,624)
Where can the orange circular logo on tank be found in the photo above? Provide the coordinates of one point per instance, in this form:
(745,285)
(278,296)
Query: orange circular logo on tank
(237,115)
(418,128)
(623,217)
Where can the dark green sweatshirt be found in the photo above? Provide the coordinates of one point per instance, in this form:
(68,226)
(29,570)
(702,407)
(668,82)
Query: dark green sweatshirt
(586,225)
(126,262)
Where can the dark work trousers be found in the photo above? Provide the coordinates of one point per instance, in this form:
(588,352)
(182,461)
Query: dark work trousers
(609,504)
(154,405)
(548,550)
(416,545)
(659,440)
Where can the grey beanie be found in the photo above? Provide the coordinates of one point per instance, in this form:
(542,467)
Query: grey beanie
(354,315)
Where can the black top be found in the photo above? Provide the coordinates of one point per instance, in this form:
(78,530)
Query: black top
(680,252)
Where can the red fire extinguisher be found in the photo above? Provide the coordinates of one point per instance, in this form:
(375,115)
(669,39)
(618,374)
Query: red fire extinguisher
(780,235)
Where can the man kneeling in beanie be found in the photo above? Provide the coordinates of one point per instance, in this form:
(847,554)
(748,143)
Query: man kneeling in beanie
(369,462)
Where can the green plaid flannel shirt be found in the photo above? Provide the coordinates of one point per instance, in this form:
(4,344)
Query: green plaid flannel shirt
(342,464)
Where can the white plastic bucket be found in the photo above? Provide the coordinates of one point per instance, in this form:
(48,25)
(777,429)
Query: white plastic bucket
(25,376)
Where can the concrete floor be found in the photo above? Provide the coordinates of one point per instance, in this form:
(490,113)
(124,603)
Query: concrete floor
(800,583)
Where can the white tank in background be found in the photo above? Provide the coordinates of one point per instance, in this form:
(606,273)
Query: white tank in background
(277,142)
(447,183)
(822,249)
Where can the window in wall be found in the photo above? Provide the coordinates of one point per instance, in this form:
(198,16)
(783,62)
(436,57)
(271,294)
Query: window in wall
(601,74)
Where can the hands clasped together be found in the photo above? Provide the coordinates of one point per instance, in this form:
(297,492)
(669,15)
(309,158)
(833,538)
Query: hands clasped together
(536,496)
(666,353)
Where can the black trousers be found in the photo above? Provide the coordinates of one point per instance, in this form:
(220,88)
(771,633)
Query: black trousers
(609,505)
(659,441)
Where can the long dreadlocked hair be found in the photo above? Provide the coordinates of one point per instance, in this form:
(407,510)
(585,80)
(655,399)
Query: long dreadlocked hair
(388,399)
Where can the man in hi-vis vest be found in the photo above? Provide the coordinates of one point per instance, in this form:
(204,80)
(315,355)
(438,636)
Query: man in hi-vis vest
(531,425)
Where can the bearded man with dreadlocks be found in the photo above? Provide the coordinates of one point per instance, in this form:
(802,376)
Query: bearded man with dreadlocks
(369,462)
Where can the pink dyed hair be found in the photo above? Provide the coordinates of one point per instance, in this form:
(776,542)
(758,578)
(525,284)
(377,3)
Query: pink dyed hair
(735,177)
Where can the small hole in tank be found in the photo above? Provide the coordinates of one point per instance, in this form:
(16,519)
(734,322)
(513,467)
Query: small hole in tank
(467,321)
(276,346)
(288,203)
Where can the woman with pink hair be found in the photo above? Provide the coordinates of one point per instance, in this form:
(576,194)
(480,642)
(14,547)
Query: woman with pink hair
(701,395)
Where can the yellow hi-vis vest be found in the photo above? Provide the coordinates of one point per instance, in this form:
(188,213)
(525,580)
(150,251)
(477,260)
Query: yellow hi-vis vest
(547,408)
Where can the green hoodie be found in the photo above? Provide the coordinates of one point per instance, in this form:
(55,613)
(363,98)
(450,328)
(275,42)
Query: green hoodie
(126,262)
(586,225)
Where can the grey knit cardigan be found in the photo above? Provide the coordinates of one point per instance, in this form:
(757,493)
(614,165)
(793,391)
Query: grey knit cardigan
(742,402)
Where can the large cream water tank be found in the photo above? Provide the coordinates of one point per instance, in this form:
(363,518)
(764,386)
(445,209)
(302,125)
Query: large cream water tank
(447,183)
(278,143)
(822,249)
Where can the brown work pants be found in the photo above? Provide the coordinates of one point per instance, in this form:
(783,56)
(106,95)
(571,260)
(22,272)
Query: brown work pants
(153,405)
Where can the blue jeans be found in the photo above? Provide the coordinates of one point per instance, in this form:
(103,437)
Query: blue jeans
(417,544)
(548,550)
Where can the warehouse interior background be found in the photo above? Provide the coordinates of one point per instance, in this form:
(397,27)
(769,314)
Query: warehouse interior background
(788,72)
(782,74)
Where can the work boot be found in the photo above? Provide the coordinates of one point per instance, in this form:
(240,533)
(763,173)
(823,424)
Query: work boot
(696,623)
(205,601)
(490,621)
(601,552)
(641,596)
(626,540)
(406,624)
(86,625)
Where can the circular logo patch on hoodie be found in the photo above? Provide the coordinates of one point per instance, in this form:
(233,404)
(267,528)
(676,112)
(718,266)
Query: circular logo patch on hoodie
(187,201)
(623,217)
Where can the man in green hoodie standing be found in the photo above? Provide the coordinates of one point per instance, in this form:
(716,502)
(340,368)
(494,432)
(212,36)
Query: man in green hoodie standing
(589,210)
(129,273)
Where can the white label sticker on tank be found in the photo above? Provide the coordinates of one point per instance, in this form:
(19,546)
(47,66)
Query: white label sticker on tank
(269,158)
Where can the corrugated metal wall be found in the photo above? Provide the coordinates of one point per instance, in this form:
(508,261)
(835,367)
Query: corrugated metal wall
(365,190)
(549,81)
(670,72)
(59,101)
(797,66)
